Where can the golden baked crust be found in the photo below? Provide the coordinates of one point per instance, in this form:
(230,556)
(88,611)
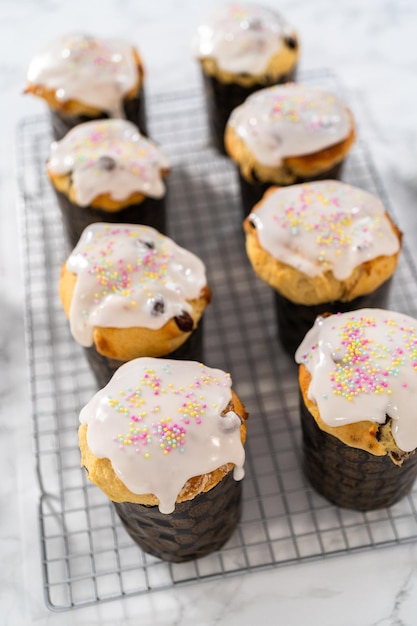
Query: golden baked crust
(63,183)
(280,65)
(377,439)
(74,107)
(125,344)
(101,473)
(292,168)
(310,290)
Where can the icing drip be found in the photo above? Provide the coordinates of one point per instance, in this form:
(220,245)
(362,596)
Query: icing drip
(325,225)
(290,120)
(241,38)
(109,156)
(130,276)
(159,422)
(363,366)
(96,71)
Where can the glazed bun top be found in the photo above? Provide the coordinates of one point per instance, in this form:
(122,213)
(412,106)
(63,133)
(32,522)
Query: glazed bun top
(108,157)
(96,71)
(324,225)
(130,276)
(363,366)
(290,120)
(161,422)
(242,38)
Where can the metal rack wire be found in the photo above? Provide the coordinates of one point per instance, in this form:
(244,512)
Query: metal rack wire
(87,557)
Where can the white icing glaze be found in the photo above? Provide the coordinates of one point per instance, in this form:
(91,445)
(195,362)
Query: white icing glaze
(96,71)
(290,120)
(130,276)
(241,38)
(324,225)
(159,423)
(109,156)
(364,366)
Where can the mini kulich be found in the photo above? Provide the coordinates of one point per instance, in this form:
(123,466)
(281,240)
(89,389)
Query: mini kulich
(358,382)
(106,171)
(242,48)
(288,134)
(324,247)
(82,77)
(129,291)
(164,441)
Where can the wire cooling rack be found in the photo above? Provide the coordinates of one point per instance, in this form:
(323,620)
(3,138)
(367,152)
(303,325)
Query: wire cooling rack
(87,557)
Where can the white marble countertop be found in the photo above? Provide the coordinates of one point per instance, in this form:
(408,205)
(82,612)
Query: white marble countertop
(372,47)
